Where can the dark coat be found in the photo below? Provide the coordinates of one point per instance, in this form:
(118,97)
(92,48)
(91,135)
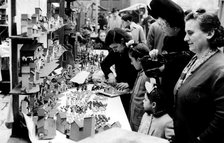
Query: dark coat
(177,56)
(200,104)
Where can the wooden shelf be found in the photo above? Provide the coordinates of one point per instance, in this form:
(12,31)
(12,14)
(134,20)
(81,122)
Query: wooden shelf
(18,90)
(8,82)
(21,38)
(4,25)
(16,40)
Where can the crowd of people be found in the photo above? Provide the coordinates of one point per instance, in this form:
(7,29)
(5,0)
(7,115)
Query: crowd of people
(174,70)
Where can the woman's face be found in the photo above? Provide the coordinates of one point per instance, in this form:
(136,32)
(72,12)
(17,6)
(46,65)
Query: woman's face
(196,39)
(135,62)
(102,36)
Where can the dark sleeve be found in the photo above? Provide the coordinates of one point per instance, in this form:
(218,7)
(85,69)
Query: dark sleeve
(107,63)
(215,129)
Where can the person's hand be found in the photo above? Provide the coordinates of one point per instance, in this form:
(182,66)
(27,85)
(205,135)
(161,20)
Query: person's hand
(122,85)
(111,78)
(154,53)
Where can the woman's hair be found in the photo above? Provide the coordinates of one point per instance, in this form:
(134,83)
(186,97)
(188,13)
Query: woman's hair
(209,22)
(138,50)
(117,35)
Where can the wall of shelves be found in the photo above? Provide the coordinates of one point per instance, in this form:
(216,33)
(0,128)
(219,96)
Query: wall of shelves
(17,41)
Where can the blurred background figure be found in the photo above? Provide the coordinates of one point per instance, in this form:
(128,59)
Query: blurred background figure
(155,37)
(146,23)
(102,22)
(136,30)
(114,20)
(83,36)
(100,40)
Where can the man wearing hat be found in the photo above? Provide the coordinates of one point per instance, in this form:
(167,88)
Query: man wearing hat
(114,20)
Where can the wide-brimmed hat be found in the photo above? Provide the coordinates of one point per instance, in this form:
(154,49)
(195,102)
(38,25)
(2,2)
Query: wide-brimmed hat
(168,10)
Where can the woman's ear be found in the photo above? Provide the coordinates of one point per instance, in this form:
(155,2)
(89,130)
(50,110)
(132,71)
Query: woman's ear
(210,34)
(153,105)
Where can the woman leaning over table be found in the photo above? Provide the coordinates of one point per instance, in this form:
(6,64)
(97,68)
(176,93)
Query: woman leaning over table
(199,92)
(125,73)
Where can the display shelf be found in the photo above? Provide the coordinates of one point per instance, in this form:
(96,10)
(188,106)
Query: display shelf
(16,60)
(18,37)
(33,37)
(5,25)
(16,92)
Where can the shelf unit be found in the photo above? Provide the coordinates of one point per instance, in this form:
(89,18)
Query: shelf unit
(16,40)
(3,15)
(5,83)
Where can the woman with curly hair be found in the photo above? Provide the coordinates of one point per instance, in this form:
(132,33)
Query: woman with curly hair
(199,92)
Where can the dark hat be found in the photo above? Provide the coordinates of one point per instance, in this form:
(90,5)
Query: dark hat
(168,10)
(114,10)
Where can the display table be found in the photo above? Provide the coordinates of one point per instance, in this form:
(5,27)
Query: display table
(118,135)
(114,110)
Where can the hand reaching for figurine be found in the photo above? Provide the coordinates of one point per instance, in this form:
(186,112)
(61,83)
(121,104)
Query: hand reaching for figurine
(122,86)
